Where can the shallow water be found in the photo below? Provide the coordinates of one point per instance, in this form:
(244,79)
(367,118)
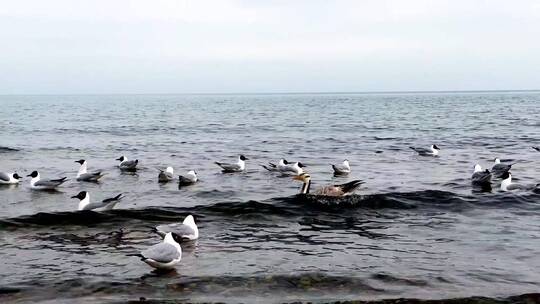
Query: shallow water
(416,229)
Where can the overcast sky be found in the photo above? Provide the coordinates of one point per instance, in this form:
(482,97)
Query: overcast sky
(70,47)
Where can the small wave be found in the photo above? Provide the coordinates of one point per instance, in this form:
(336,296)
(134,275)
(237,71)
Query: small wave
(160,287)
(298,205)
(7,149)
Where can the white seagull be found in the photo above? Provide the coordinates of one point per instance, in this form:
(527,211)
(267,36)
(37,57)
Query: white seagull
(238,167)
(127,165)
(481,177)
(9,178)
(342,169)
(499,168)
(187,230)
(166,175)
(106,204)
(285,167)
(44,184)
(164,255)
(506,184)
(432,151)
(83,176)
(281,165)
(189,179)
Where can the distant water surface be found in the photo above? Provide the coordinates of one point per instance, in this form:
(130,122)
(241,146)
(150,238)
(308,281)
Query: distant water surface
(416,229)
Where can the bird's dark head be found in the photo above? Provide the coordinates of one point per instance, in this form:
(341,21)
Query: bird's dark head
(81,195)
(285,162)
(121,158)
(80,161)
(301,165)
(16,176)
(242,157)
(33,174)
(177,237)
(435,147)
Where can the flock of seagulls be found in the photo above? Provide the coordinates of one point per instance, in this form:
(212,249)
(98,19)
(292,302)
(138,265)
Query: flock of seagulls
(168,253)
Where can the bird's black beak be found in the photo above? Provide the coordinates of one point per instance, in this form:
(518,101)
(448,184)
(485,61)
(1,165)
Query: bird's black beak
(29,175)
(119,158)
(75,196)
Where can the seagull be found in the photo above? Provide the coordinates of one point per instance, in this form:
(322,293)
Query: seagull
(506,184)
(342,169)
(238,167)
(330,190)
(189,179)
(82,176)
(164,255)
(187,230)
(432,151)
(9,178)
(296,168)
(44,184)
(106,204)
(480,177)
(281,165)
(165,176)
(499,169)
(536,148)
(127,165)
(284,166)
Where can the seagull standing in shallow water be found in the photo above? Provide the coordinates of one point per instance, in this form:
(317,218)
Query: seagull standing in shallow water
(238,167)
(164,255)
(432,151)
(44,184)
(83,176)
(9,178)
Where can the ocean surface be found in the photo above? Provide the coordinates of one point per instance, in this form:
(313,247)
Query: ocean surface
(416,229)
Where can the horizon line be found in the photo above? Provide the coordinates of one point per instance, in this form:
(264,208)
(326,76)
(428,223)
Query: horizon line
(292,92)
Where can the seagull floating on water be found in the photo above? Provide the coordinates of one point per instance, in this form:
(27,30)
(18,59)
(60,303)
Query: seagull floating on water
(330,190)
(481,177)
(9,178)
(83,176)
(106,204)
(165,175)
(238,167)
(281,165)
(189,179)
(499,168)
(164,255)
(187,230)
(285,167)
(506,184)
(44,184)
(127,165)
(342,169)
(432,151)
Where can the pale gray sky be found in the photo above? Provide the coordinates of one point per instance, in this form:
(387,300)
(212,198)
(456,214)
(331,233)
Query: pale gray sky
(70,47)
